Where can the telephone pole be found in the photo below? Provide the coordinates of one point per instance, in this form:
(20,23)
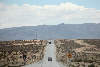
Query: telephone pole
(36,35)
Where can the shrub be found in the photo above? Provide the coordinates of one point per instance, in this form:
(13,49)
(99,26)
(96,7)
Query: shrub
(92,65)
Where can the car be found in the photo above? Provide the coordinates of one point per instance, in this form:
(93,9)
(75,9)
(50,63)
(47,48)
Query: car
(49,42)
(49,58)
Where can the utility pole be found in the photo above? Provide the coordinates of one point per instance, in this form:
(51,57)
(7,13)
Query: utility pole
(36,35)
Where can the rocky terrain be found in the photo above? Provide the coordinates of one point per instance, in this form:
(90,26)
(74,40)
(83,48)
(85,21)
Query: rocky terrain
(21,52)
(70,52)
(78,52)
(93,42)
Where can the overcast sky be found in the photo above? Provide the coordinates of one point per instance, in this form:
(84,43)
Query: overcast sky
(14,13)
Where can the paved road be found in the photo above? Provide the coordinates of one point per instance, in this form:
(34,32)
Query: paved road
(49,52)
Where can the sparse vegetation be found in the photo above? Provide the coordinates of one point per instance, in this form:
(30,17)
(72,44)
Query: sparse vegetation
(82,52)
(20,52)
(92,65)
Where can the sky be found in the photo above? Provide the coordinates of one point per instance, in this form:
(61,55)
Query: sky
(15,13)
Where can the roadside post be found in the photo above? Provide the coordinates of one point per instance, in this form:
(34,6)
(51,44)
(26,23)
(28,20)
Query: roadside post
(69,55)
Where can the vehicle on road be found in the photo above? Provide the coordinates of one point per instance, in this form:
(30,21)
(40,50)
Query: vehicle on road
(49,58)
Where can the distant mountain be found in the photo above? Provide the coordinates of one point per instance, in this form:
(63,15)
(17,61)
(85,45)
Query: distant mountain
(61,31)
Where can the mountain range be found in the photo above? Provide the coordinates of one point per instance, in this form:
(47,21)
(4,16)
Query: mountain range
(60,31)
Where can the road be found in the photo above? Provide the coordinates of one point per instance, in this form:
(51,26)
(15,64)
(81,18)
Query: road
(49,52)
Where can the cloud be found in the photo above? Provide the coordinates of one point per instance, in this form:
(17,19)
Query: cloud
(31,15)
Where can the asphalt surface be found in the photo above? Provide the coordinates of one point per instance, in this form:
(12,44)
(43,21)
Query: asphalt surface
(49,52)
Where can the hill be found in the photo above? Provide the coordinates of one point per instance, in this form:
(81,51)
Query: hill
(61,31)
